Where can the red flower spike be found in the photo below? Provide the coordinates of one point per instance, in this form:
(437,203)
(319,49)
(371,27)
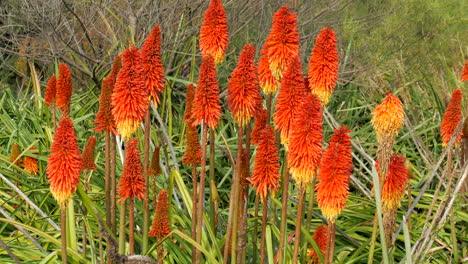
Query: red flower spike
(289,100)
(64,89)
(320,237)
(305,141)
(464,76)
(64,165)
(267,81)
(260,122)
(243,88)
(51,91)
(394,185)
(265,175)
(193,154)
(335,170)
(87,156)
(132,184)
(207,105)
(189,96)
(104,119)
(323,65)
(130,97)
(151,59)
(214,35)
(283,41)
(452,117)
(116,66)
(160,226)
(30,164)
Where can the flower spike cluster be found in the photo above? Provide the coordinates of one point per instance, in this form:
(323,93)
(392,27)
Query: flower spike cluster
(260,122)
(132,184)
(323,65)
(320,237)
(243,88)
(267,81)
(193,153)
(394,185)
(464,76)
(51,91)
(214,35)
(87,156)
(64,89)
(207,105)
(289,100)
(388,117)
(452,117)
(64,165)
(30,164)
(130,96)
(283,41)
(160,226)
(305,141)
(335,170)
(151,59)
(265,175)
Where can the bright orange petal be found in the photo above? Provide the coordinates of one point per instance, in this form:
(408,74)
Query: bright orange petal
(452,117)
(394,185)
(388,117)
(151,59)
(161,226)
(214,35)
(132,184)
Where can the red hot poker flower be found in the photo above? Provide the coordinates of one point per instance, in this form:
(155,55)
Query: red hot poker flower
(189,96)
(104,119)
(452,117)
(323,65)
(132,184)
(260,122)
(320,237)
(290,98)
(394,185)
(87,156)
(265,175)
(305,141)
(51,91)
(130,96)
(116,66)
(64,89)
(267,81)
(160,226)
(243,88)
(388,117)
(464,76)
(151,59)
(335,170)
(214,35)
(63,168)
(193,152)
(283,41)
(207,105)
(30,164)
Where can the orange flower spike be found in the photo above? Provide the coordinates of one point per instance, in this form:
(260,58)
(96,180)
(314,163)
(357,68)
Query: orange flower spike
(189,96)
(15,152)
(265,175)
(394,185)
(388,117)
(160,226)
(51,91)
(30,164)
(452,117)
(207,105)
(193,153)
(464,76)
(64,89)
(283,41)
(64,165)
(116,66)
(214,35)
(132,184)
(151,59)
(323,65)
(243,88)
(335,170)
(130,96)
(320,237)
(289,100)
(104,119)
(87,156)
(267,81)
(260,122)
(305,141)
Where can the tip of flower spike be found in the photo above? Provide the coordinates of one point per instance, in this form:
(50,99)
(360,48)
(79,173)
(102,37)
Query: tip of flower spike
(214,36)
(388,117)
(452,118)
(64,88)
(51,91)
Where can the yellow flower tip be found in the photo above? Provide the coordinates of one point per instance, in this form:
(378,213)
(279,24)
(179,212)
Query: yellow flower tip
(331,213)
(388,117)
(323,95)
(302,176)
(127,128)
(61,197)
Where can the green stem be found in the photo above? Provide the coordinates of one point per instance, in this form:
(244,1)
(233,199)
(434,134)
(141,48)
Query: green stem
(235,218)
(63,214)
(146,144)
(284,212)
(131,231)
(107,185)
(213,210)
(201,193)
(300,212)
(113,197)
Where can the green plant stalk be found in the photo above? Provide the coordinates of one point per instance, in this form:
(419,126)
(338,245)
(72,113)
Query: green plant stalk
(84,240)
(378,202)
(107,180)
(122,228)
(407,242)
(131,222)
(71,228)
(309,212)
(146,144)
(113,193)
(370,259)
(263,235)
(300,213)
(235,217)
(194,207)
(284,212)
(213,210)
(63,214)
(170,195)
(456,255)
(201,193)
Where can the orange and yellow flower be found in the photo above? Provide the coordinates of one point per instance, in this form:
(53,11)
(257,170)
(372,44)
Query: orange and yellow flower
(87,157)
(64,89)
(452,117)
(283,41)
(267,81)
(289,100)
(51,91)
(323,65)
(305,141)
(394,184)
(243,88)
(260,122)
(388,117)
(151,59)
(160,226)
(64,165)
(130,96)
(207,105)
(214,35)
(132,184)
(464,76)
(30,164)
(320,237)
(335,170)
(265,175)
